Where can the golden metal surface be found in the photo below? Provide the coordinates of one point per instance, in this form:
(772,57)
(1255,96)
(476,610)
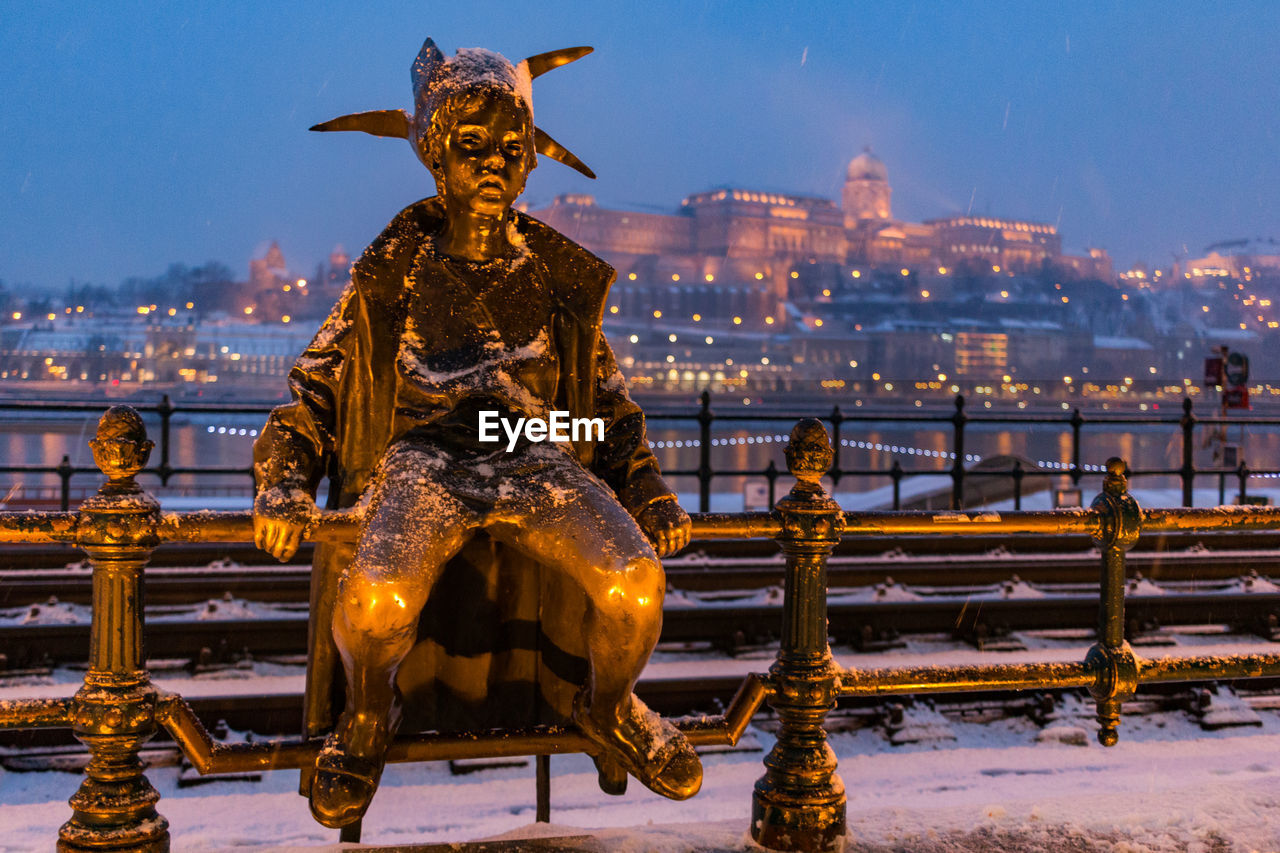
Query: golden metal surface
(742,525)
(952,523)
(799,803)
(113,713)
(208,526)
(1120,525)
(464,307)
(34,527)
(1211,518)
(36,713)
(1224,668)
(338,526)
(1031,676)
(208,756)
(963,679)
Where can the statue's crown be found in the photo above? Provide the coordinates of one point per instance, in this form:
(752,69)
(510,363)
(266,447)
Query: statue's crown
(436,77)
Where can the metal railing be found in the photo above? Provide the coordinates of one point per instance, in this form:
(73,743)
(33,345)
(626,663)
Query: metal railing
(799,802)
(956,424)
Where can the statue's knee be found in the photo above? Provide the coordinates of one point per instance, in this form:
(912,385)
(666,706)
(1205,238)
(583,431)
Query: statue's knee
(636,589)
(372,607)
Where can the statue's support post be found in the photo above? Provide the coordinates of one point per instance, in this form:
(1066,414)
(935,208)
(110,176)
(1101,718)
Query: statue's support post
(1111,656)
(114,712)
(799,803)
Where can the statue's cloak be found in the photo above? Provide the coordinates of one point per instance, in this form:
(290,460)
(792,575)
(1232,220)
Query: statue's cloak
(500,638)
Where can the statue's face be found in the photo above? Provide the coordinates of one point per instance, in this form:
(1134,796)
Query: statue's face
(486,156)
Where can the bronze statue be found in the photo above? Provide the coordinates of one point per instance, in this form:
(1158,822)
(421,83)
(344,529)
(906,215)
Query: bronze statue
(464,313)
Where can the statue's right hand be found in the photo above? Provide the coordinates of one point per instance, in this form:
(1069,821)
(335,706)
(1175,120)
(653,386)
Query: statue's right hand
(280,516)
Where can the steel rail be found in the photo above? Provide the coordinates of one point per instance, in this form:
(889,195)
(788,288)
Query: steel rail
(971,615)
(190,582)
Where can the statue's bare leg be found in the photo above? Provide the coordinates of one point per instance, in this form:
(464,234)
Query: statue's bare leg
(570,521)
(411,529)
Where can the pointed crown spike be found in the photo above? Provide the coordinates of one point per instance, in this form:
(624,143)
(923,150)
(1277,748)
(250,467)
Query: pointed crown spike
(425,65)
(548,147)
(391,123)
(552,59)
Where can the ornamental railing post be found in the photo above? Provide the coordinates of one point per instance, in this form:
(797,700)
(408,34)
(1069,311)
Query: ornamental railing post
(165,410)
(1188,469)
(799,803)
(1077,421)
(1111,656)
(771,477)
(958,421)
(705,417)
(64,480)
(837,419)
(113,713)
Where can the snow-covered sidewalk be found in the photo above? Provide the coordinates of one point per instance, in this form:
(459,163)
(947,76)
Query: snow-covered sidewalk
(1168,786)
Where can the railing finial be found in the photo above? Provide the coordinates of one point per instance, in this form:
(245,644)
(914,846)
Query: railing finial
(121,447)
(1116,482)
(809,454)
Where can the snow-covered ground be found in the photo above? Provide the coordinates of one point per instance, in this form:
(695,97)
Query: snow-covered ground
(1004,784)
(1168,786)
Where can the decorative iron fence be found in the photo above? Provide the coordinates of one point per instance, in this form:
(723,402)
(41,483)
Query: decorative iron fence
(798,804)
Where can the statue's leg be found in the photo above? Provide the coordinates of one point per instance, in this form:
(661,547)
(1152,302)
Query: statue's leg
(572,522)
(412,527)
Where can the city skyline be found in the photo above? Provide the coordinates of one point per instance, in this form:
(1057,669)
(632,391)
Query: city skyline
(146,136)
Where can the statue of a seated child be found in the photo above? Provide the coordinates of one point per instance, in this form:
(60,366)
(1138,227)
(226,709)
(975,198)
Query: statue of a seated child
(463,308)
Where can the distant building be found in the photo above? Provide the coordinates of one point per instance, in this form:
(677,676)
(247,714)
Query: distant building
(275,294)
(732,240)
(866,190)
(1009,244)
(1240,259)
(327,283)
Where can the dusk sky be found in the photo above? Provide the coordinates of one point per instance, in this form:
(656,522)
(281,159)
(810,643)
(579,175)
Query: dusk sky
(134,135)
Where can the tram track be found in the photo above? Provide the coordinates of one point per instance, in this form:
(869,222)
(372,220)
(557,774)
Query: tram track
(868,618)
(722,600)
(187,575)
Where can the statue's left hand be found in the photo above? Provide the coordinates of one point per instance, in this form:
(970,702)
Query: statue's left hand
(280,518)
(667,525)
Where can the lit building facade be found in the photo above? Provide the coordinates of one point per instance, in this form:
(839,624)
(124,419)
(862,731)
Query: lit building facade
(743,239)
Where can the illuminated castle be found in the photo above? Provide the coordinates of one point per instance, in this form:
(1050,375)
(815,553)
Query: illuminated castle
(739,252)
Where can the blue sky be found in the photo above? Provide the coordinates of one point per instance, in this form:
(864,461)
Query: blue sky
(138,134)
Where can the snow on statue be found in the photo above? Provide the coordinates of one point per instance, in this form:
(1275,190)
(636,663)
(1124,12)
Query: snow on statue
(491,579)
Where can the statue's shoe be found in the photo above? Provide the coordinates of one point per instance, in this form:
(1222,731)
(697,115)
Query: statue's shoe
(646,746)
(343,785)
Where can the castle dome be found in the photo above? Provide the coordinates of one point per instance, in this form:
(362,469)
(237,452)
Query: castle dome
(867,167)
